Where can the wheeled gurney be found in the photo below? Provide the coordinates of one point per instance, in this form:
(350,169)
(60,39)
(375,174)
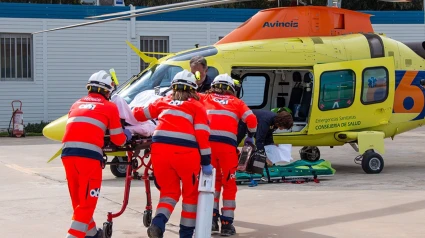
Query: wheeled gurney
(137,149)
(301,170)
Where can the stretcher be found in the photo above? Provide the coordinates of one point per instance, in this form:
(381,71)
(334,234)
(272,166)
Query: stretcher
(298,171)
(137,149)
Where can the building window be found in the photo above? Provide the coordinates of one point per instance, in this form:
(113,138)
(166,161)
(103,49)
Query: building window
(336,89)
(16,57)
(157,44)
(220,37)
(254,90)
(374,85)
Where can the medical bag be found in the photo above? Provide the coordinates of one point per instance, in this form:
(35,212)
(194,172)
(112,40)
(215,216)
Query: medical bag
(244,156)
(251,162)
(256,163)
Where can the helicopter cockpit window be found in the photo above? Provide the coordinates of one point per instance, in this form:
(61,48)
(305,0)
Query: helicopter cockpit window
(206,51)
(336,89)
(374,85)
(159,75)
(255,90)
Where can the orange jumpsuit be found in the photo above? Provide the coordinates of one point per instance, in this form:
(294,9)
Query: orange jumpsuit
(180,146)
(224,113)
(82,156)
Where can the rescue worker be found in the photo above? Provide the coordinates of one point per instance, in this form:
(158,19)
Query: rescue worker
(268,122)
(180,147)
(224,111)
(199,63)
(82,154)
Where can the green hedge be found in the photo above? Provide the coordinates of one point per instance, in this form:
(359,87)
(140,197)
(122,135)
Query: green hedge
(35,127)
(31,129)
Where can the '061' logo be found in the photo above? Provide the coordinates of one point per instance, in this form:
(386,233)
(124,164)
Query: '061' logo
(95,193)
(87,106)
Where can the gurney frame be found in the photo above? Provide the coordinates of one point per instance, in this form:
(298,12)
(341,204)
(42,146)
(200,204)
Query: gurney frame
(133,150)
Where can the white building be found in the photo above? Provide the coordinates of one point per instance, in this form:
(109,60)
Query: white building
(48,71)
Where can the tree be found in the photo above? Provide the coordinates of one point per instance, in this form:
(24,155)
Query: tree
(263,4)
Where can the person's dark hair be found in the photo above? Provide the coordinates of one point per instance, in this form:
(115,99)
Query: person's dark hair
(98,90)
(198,60)
(184,95)
(284,119)
(220,91)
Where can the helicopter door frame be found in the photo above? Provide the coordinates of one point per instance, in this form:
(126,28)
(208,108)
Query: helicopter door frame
(363,107)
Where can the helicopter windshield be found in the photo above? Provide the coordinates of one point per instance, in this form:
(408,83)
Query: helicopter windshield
(159,75)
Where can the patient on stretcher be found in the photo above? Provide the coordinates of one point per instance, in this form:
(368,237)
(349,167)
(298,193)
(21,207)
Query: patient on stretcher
(141,128)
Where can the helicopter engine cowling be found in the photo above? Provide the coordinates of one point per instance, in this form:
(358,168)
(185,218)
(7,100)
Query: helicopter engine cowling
(417,47)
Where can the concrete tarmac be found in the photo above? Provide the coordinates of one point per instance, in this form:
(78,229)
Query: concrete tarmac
(34,200)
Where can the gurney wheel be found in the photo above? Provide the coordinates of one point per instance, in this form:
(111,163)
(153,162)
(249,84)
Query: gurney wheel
(119,170)
(107,229)
(147,218)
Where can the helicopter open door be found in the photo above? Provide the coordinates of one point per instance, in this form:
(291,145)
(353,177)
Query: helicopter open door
(352,95)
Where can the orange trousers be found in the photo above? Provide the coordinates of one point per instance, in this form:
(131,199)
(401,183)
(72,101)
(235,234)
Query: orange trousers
(225,160)
(172,163)
(84,178)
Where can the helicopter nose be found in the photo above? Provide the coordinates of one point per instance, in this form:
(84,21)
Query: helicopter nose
(55,129)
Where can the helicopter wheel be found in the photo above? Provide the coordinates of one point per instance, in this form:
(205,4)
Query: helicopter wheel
(310,153)
(372,162)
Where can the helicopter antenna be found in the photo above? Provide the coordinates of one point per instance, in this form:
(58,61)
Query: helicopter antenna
(204,4)
(152,8)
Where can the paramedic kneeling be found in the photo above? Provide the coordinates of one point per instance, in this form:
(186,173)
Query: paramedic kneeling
(180,147)
(268,122)
(224,112)
(82,154)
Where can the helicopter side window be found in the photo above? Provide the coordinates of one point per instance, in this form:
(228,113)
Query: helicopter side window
(374,85)
(255,90)
(336,89)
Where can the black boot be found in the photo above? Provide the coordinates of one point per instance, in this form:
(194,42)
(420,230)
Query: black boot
(215,227)
(155,232)
(227,229)
(99,233)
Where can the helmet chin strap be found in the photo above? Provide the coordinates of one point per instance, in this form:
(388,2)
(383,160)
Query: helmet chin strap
(112,91)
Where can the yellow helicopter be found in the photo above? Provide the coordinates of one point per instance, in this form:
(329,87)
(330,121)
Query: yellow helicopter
(342,82)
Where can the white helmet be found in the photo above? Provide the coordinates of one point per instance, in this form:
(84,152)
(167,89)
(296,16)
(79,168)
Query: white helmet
(101,79)
(184,78)
(224,79)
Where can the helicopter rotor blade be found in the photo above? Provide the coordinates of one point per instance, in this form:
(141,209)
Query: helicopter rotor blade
(151,8)
(143,14)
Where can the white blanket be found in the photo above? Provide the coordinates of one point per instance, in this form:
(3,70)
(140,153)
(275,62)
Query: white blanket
(142,128)
(279,153)
(144,98)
